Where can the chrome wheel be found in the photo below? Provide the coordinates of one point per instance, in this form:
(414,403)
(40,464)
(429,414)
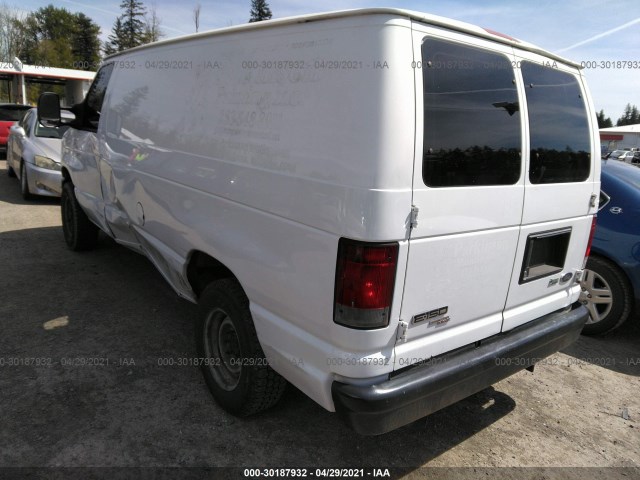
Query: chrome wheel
(596,295)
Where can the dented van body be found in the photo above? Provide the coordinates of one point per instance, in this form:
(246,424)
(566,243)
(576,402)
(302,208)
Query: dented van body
(400,203)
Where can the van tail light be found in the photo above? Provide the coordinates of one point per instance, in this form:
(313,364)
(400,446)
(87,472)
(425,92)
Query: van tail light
(365,277)
(591,233)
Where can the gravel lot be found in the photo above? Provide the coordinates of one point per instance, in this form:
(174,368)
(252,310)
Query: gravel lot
(99,324)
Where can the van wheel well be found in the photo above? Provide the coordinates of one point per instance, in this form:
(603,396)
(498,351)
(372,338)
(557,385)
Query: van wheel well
(204,269)
(65,176)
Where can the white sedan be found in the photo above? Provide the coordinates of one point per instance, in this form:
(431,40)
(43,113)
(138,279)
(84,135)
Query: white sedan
(627,156)
(33,154)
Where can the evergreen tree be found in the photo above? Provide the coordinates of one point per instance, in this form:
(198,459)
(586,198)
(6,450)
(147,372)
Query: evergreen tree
(133,26)
(259,11)
(631,116)
(603,122)
(85,44)
(113,44)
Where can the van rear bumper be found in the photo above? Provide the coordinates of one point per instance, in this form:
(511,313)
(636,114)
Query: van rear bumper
(421,390)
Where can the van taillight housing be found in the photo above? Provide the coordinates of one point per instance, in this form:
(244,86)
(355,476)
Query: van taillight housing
(365,277)
(591,234)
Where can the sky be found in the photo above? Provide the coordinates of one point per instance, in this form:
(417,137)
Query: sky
(592,31)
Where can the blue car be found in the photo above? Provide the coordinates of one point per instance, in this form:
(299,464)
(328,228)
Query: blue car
(611,283)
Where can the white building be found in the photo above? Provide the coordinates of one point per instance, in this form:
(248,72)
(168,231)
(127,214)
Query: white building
(15,79)
(620,138)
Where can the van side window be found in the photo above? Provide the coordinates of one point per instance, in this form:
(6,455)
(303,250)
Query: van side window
(560,143)
(471,117)
(95,96)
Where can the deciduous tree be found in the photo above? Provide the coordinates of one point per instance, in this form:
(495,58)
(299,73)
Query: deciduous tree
(55,37)
(11,33)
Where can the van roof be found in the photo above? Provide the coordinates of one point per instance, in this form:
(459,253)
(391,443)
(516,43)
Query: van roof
(425,18)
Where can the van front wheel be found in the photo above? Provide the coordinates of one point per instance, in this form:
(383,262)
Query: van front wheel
(79,232)
(232,361)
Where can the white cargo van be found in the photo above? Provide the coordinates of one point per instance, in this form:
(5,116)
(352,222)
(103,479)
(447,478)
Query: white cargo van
(387,209)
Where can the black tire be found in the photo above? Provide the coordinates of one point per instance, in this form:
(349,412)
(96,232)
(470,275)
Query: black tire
(79,232)
(24,183)
(10,172)
(234,365)
(607,294)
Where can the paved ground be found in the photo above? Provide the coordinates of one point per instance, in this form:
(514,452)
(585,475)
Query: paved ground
(99,325)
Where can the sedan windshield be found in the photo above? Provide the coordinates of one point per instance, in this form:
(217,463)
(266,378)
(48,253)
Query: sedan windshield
(50,132)
(13,113)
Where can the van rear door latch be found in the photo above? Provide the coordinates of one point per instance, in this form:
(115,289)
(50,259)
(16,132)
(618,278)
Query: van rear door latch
(402,331)
(413,218)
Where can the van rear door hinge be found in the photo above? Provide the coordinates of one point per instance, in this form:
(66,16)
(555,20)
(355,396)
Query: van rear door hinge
(413,219)
(402,331)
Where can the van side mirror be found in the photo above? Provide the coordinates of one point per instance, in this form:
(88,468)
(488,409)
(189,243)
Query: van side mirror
(49,109)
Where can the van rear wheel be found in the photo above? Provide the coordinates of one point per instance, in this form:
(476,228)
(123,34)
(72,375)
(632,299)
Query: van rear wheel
(232,361)
(79,232)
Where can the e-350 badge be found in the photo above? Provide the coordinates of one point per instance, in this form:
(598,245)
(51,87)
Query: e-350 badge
(434,316)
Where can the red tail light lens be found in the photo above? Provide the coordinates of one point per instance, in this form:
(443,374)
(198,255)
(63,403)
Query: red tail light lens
(365,277)
(593,231)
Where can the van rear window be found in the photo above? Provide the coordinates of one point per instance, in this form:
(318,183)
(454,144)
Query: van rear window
(471,117)
(558,125)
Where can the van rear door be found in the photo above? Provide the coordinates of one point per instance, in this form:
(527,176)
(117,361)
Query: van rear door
(469,188)
(561,189)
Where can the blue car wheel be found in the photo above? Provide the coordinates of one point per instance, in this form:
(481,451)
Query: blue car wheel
(607,295)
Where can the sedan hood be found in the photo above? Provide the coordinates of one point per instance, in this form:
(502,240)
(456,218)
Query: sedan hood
(49,147)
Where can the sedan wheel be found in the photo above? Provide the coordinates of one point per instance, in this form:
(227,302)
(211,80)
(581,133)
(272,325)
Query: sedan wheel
(607,296)
(24,183)
(597,293)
